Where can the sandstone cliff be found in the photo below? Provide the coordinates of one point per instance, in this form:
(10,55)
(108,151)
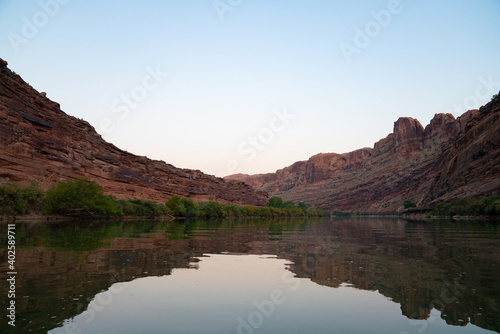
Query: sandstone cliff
(449,158)
(39,142)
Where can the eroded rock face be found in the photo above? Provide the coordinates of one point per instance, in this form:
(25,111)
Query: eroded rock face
(450,158)
(441,128)
(408,135)
(39,142)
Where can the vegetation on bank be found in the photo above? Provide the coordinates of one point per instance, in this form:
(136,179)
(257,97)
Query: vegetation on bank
(17,200)
(469,206)
(183,207)
(78,197)
(83,197)
(409,204)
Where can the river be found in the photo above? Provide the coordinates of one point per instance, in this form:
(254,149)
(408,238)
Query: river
(366,275)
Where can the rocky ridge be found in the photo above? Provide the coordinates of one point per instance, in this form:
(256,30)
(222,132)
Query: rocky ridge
(39,142)
(449,158)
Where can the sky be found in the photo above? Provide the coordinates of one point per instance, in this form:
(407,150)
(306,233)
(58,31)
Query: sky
(240,86)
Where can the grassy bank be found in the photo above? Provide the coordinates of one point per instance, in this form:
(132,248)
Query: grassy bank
(83,197)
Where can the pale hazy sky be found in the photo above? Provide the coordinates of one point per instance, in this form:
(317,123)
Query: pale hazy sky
(252,86)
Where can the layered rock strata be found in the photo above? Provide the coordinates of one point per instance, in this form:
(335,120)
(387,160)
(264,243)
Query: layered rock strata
(447,159)
(39,142)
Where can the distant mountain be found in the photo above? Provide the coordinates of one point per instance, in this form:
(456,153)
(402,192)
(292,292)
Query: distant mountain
(39,142)
(447,159)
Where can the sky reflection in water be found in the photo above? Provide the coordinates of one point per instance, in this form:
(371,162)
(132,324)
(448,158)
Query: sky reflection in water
(349,276)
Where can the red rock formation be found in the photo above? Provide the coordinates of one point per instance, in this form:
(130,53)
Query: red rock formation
(441,128)
(408,135)
(470,163)
(39,142)
(450,158)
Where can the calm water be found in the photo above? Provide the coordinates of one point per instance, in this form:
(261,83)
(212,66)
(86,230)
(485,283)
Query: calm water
(289,276)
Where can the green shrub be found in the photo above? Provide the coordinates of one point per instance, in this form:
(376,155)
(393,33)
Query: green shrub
(154,208)
(173,205)
(191,209)
(249,211)
(471,206)
(182,207)
(263,211)
(233,210)
(409,204)
(128,208)
(493,207)
(17,200)
(142,208)
(442,209)
(79,196)
(316,213)
(476,207)
(212,209)
(293,212)
(275,202)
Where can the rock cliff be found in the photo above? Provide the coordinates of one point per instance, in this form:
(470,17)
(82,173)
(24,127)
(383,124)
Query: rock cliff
(39,142)
(449,158)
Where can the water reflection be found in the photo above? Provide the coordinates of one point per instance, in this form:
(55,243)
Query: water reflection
(69,270)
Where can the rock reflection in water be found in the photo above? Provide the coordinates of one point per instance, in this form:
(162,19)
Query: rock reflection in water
(451,267)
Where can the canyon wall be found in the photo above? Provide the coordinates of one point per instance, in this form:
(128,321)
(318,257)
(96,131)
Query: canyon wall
(449,158)
(39,142)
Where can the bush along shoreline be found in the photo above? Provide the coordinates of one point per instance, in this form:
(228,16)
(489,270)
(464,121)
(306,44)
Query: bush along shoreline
(85,198)
(482,206)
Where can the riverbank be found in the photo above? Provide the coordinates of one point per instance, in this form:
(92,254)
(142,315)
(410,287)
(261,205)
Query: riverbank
(37,218)
(82,199)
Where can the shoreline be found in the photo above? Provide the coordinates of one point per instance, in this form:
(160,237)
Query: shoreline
(42,218)
(39,218)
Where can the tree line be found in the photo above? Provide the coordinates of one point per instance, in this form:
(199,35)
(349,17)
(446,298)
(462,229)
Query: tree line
(82,197)
(469,206)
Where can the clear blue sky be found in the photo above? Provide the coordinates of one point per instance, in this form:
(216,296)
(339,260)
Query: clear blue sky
(343,70)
